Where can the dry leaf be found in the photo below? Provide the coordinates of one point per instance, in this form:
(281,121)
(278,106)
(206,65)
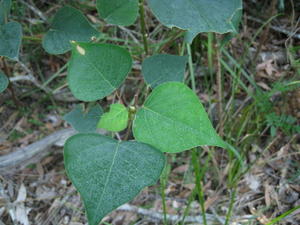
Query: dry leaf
(253,182)
(21,212)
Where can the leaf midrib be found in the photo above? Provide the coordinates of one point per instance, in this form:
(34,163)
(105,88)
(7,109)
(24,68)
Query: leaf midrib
(110,14)
(116,114)
(97,70)
(176,121)
(107,179)
(199,13)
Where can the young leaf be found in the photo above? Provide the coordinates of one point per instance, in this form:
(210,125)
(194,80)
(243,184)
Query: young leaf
(10,40)
(173,120)
(196,16)
(5,6)
(69,24)
(159,69)
(96,70)
(116,119)
(118,12)
(108,173)
(84,122)
(3,82)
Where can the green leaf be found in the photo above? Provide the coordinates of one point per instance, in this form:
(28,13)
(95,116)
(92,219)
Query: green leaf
(96,70)
(159,69)
(236,20)
(84,122)
(116,119)
(5,6)
(196,16)
(108,173)
(173,120)
(10,40)
(69,24)
(118,12)
(3,82)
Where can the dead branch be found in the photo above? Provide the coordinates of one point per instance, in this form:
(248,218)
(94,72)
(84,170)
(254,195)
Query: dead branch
(211,218)
(34,9)
(32,153)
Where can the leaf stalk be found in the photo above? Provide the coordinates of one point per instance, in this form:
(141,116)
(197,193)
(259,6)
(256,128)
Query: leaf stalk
(143,25)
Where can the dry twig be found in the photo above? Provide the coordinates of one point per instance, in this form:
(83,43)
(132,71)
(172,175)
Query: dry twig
(33,153)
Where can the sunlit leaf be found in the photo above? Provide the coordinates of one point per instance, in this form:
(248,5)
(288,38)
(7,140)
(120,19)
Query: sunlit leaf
(116,119)
(173,120)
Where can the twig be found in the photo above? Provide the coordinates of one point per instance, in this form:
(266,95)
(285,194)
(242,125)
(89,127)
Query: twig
(275,28)
(35,10)
(211,218)
(30,78)
(22,78)
(129,32)
(171,218)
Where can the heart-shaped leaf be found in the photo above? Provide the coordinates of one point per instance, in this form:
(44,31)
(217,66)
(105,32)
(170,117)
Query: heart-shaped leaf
(236,20)
(173,120)
(69,24)
(116,119)
(84,122)
(96,70)
(196,16)
(159,69)
(108,173)
(3,82)
(10,40)
(5,6)
(118,12)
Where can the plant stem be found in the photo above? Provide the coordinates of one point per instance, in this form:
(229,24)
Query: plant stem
(132,112)
(8,73)
(163,184)
(171,40)
(232,199)
(188,207)
(55,75)
(199,186)
(143,25)
(219,92)
(191,67)
(163,197)
(32,38)
(210,39)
